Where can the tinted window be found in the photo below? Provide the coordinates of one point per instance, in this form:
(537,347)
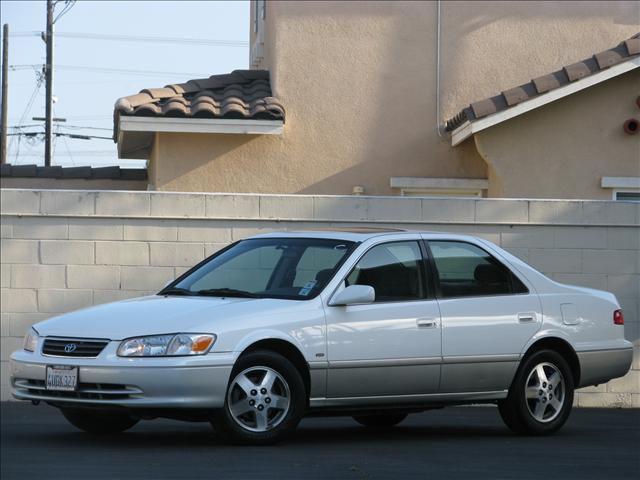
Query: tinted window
(275,267)
(465,270)
(394,270)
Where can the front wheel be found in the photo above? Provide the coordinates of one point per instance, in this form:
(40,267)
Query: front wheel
(541,396)
(99,421)
(265,400)
(380,421)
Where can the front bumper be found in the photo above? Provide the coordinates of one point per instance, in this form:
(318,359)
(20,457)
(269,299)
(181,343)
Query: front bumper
(109,380)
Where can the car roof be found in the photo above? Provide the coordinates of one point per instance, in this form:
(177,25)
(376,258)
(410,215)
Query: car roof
(355,234)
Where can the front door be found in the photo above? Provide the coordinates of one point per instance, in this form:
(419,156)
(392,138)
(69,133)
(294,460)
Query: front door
(391,346)
(488,316)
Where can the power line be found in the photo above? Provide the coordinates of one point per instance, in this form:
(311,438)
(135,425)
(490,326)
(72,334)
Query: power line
(124,71)
(140,38)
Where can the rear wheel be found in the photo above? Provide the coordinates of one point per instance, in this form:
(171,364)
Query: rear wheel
(265,400)
(541,396)
(99,421)
(380,421)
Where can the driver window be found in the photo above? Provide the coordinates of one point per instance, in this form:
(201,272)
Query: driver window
(394,270)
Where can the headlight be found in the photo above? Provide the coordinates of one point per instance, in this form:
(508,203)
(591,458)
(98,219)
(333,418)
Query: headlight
(167,345)
(30,340)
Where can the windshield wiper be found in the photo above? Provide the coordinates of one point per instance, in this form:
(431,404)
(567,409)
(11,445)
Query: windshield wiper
(176,291)
(226,292)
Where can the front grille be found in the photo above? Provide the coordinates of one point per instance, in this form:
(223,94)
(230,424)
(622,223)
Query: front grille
(85,391)
(73,347)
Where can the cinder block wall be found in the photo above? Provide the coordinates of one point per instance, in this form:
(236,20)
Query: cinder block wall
(64,250)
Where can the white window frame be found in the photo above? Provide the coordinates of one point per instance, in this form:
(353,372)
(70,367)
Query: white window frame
(616,191)
(621,185)
(440,192)
(440,187)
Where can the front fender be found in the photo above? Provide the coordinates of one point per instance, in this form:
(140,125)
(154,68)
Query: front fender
(267,334)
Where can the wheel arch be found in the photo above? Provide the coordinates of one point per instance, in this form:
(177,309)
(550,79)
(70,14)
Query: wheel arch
(563,348)
(289,351)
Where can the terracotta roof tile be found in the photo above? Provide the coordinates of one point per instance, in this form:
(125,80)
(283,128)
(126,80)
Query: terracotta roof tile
(241,94)
(545,83)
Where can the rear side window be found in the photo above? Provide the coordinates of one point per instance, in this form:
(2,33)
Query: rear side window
(394,270)
(465,270)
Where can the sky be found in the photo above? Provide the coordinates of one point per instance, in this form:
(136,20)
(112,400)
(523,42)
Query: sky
(84,85)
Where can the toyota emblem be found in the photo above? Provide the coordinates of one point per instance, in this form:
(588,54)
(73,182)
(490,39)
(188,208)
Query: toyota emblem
(70,347)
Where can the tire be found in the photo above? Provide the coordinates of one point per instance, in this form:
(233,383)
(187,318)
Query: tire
(99,421)
(264,401)
(380,421)
(535,405)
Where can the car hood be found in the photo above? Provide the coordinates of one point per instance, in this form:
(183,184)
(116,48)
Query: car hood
(148,316)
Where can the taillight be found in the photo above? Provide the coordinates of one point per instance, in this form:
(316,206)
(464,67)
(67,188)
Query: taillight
(618,318)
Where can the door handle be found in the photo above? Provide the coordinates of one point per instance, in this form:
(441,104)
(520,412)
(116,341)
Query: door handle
(526,317)
(426,323)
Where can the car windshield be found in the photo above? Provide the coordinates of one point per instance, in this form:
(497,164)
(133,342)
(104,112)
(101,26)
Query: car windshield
(292,268)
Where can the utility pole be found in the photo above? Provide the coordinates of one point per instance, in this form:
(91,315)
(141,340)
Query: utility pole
(48,70)
(5,93)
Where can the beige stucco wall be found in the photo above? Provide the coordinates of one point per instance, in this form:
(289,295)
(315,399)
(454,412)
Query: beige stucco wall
(72,183)
(563,150)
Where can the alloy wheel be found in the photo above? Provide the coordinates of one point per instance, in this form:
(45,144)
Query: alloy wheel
(258,399)
(545,392)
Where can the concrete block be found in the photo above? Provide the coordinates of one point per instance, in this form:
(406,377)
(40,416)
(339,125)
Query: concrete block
(5,325)
(6,227)
(232,206)
(624,285)
(176,254)
(108,296)
(122,253)
(38,276)
(5,275)
(609,213)
(521,253)
(67,252)
(631,327)
(61,202)
(556,261)
(18,300)
(5,385)
(123,204)
(597,281)
(286,207)
(96,229)
(609,261)
(523,236)
(502,211)
(623,238)
(8,345)
(580,237)
(19,201)
(93,276)
(61,301)
(604,400)
(41,228)
(340,208)
(18,251)
(19,323)
(630,383)
(491,233)
(145,278)
(395,209)
(178,271)
(211,248)
(153,230)
(448,210)
(593,389)
(177,204)
(205,231)
(555,212)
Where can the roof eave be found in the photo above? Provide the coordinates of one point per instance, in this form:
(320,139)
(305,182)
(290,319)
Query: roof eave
(468,128)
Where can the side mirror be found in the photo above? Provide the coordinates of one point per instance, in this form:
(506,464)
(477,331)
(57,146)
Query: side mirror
(354,295)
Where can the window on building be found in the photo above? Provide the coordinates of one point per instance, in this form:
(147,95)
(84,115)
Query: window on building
(627,195)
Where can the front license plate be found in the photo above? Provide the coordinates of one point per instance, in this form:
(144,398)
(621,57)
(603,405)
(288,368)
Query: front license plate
(62,378)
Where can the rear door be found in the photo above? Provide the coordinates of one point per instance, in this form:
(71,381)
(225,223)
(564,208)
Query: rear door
(391,346)
(488,315)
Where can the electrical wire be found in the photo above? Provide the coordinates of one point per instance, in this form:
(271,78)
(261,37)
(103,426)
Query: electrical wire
(139,38)
(69,4)
(124,71)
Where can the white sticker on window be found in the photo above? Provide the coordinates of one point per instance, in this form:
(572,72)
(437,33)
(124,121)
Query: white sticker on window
(306,289)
